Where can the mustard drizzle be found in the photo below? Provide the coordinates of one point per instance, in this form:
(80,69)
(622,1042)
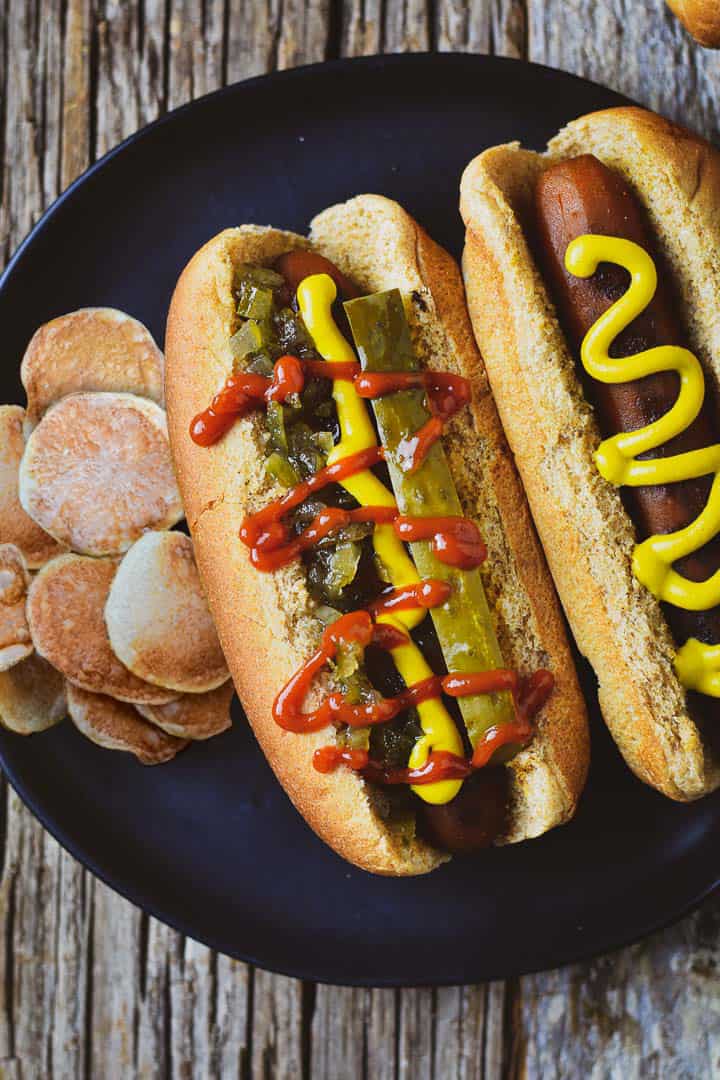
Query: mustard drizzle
(316,295)
(696,664)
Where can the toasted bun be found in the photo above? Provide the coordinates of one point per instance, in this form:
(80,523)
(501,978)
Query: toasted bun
(266,622)
(701,17)
(586,532)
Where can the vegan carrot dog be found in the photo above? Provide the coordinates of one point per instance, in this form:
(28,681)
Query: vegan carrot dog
(364,541)
(604,254)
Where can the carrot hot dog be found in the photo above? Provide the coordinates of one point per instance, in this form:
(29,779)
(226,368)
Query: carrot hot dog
(582,196)
(341,463)
(593,276)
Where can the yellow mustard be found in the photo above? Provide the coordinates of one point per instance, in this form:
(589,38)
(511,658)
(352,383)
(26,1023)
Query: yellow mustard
(316,295)
(697,665)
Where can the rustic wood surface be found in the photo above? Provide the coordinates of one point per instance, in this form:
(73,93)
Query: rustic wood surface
(90,986)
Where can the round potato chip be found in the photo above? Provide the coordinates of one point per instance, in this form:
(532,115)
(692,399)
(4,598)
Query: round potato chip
(115,725)
(15,641)
(90,349)
(193,716)
(16,527)
(65,613)
(96,473)
(158,620)
(32,696)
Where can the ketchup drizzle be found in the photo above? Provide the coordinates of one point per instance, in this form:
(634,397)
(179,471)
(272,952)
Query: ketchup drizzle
(429,593)
(455,541)
(354,628)
(245,391)
(528,695)
(446,395)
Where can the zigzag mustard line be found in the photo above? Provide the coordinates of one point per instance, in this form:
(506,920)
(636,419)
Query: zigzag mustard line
(697,665)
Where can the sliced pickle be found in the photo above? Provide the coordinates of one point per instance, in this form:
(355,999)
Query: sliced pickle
(463,624)
(254,302)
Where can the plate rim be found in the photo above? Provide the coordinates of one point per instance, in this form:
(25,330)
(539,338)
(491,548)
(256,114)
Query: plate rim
(136,895)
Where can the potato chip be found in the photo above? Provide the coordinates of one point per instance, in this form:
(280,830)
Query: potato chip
(15,642)
(16,527)
(115,725)
(90,349)
(193,716)
(96,473)
(65,613)
(158,620)
(32,696)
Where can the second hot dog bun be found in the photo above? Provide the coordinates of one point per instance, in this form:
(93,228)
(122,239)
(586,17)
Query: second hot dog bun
(587,534)
(267,622)
(701,17)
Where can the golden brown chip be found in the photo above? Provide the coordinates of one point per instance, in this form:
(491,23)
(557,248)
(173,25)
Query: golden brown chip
(32,696)
(157,617)
(16,527)
(90,349)
(15,642)
(65,613)
(193,716)
(115,725)
(97,472)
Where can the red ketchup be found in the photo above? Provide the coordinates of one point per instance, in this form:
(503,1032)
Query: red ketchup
(446,395)
(265,534)
(245,392)
(424,594)
(356,627)
(528,695)
(455,540)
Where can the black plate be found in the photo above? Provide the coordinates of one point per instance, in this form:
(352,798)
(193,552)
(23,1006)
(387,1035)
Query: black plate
(210,843)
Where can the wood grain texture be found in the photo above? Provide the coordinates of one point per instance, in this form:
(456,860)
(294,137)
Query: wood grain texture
(90,986)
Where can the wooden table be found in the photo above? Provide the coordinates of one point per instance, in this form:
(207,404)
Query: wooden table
(89,985)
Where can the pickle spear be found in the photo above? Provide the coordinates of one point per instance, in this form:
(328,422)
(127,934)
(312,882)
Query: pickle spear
(463,624)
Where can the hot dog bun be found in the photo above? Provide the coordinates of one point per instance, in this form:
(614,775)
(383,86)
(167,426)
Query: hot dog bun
(701,17)
(587,534)
(266,622)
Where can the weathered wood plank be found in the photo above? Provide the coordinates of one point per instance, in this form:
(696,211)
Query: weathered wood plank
(362,27)
(650,1010)
(337,1032)
(380,1033)
(196,55)
(115,981)
(481,26)
(22,168)
(304,31)
(277,1035)
(231,1019)
(639,49)
(75,147)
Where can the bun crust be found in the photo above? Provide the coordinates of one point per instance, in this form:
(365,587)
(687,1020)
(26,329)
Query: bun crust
(701,17)
(587,534)
(266,622)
